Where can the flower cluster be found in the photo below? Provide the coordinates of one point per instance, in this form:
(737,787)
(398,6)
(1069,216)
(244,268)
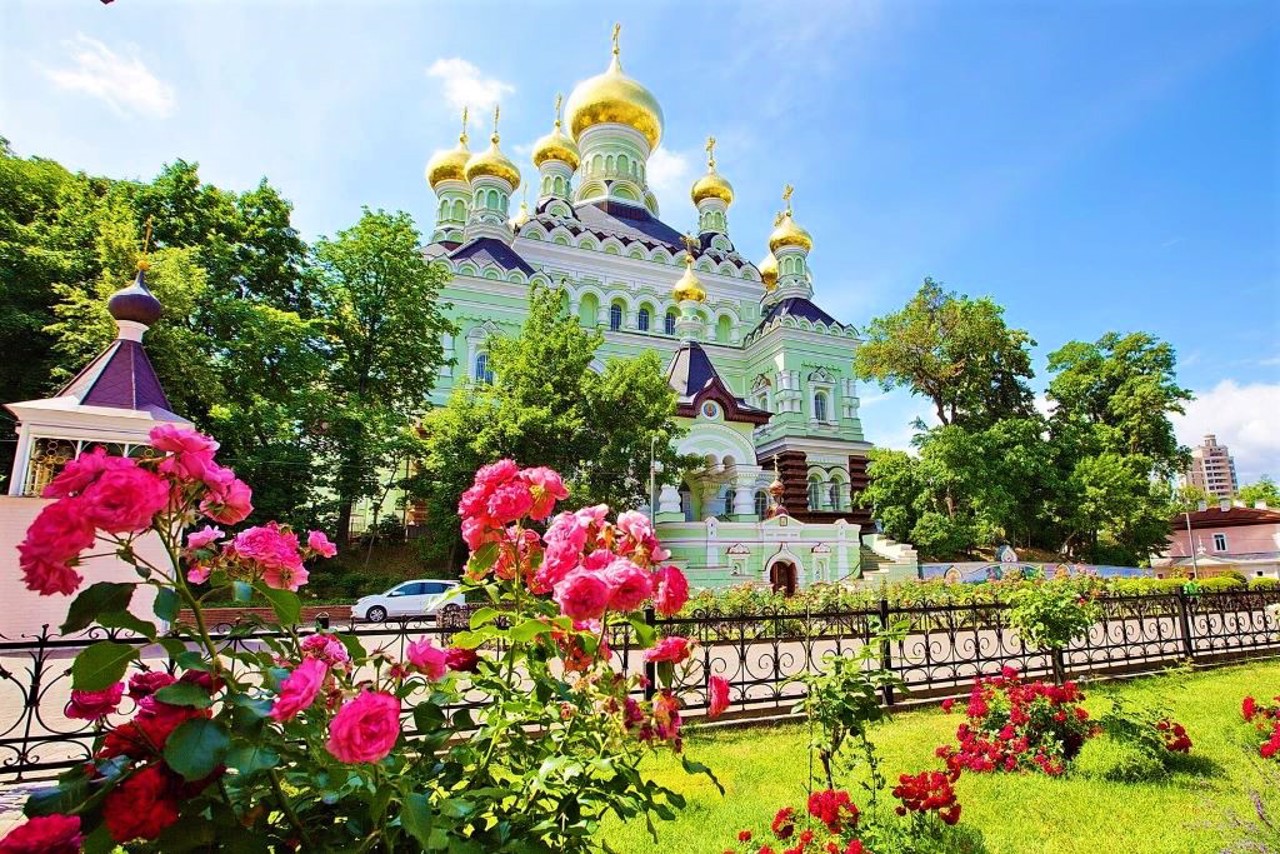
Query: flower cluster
(929,792)
(1174,736)
(51,834)
(830,827)
(1018,726)
(1266,720)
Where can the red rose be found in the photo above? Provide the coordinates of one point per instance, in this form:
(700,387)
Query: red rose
(462,660)
(49,834)
(143,805)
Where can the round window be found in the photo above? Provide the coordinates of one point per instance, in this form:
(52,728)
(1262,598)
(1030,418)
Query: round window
(710,410)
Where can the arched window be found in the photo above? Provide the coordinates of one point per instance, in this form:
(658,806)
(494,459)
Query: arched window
(686,504)
(834,494)
(615,317)
(643,320)
(762,503)
(820,406)
(815,493)
(730,498)
(669,325)
(483,373)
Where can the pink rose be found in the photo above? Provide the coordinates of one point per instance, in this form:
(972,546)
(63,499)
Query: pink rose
(592,516)
(124,500)
(175,439)
(286,577)
(476,532)
(547,488)
(327,648)
(582,595)
(77,475)
(717,696)
(365,728)
(299,689)
(670,591)
(94,705)
(429,659)
(674,649)
(199,573)
(492,476)
(636,525)
(205,536)
(629,583)
(319,543)
(229,499)
(47,834)
(54,541)
(274,551)
(509,502)
(598,560)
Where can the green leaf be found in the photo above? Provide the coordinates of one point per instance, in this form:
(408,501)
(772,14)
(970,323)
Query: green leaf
(528,630)
(252,758)
(173,646)
(355,649)
(646,635)
(691,767)
(127,621)
(666,673)
(287,605)
(167,604)
(482,558)
(100,842)
(472,640)
(94,600)
(185,694)
(196,748)
(483,616)
(416,818)
(241,591)
(101,665)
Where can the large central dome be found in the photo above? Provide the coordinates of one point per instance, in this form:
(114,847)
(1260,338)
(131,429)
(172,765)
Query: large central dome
(613,97)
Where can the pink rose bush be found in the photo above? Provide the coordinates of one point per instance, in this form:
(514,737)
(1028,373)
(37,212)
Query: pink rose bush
(283,738)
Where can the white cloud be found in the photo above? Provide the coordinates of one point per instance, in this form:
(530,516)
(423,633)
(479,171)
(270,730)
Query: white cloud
(123,82)
(1243,417)
(668,175)
(465,86)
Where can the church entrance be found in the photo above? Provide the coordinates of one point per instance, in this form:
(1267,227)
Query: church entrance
(782,575)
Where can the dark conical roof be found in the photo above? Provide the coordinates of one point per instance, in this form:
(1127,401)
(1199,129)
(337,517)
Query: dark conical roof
(695,379)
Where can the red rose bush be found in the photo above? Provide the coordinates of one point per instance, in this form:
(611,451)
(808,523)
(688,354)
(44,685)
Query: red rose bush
(1265,719)
(519,735)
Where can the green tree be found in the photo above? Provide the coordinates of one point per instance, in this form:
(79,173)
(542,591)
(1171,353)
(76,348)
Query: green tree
(1263,489)
(1126,386)
(548,407)
(1187,498)
(383,325)
(956,351)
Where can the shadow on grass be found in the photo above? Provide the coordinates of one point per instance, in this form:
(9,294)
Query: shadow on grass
(1195,766)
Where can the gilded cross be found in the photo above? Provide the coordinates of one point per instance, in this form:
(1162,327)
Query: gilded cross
(462,138)
(559,99)
(617,30)
(497,110)
(690,243)
(711,152)
(786,195)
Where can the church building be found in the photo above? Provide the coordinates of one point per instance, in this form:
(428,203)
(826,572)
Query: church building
(762,374)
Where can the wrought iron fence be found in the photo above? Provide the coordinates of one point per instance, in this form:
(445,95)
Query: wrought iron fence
(760,653)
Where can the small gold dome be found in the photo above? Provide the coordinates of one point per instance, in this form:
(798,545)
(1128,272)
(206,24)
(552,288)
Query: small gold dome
(557,145)
(712,186)
(450,164)
(769,272)
(787,233)
(689,286)
(522,215)
(613,97)
(493,163)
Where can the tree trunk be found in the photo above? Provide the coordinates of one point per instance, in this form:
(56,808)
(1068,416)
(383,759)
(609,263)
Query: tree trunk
(344,523)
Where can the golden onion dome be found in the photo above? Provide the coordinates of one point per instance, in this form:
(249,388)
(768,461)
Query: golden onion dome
(712,185)
(450,164)
(557,145)
(689,286)
(785,230)
(613,97)
(769,272)
(493,163)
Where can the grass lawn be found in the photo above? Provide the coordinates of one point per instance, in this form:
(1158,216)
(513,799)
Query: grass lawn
(1187,812)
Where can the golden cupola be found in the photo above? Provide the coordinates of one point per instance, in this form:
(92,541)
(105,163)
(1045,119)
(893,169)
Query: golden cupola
(689,287)
(493,163)
(786,232)
(450,164)
(614,98)
(557,145)
(712,185)
(769,271)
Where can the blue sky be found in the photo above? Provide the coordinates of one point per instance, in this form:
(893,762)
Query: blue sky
(1092,166)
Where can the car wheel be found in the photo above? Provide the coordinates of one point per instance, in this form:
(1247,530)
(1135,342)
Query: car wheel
(376,614)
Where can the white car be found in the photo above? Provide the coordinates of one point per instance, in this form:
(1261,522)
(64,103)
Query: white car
(418,598)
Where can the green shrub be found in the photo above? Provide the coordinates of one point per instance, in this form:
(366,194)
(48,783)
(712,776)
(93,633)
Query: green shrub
(1264,584)
(1221,583)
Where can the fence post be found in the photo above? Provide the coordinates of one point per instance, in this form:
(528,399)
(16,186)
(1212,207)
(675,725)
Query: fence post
(886,651)
(1184,626)
(650,667)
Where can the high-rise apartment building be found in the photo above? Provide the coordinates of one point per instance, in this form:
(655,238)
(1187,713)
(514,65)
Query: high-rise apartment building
(1212,469)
